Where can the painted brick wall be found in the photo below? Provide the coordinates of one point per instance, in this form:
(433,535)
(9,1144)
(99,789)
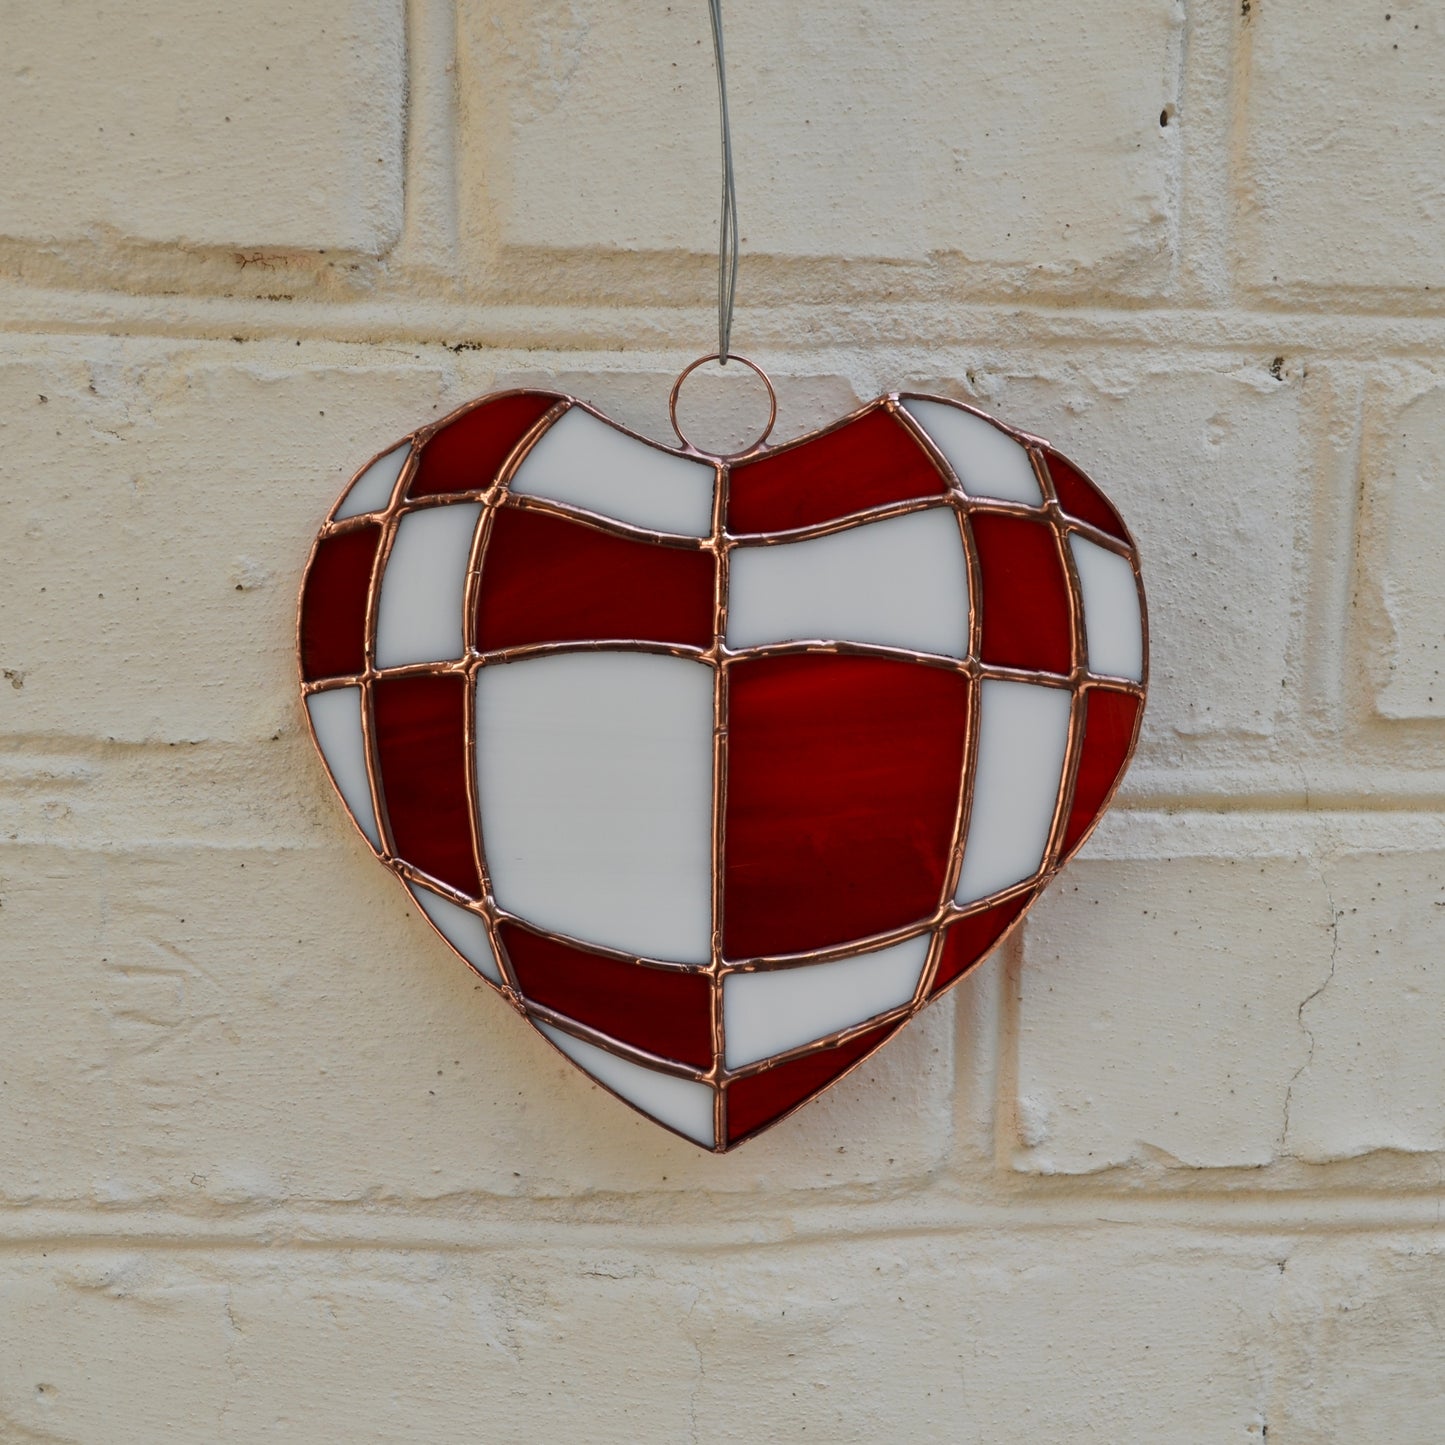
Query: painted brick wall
(1169,1168)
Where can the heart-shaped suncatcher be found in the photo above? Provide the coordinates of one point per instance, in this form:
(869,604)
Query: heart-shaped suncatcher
(720,769)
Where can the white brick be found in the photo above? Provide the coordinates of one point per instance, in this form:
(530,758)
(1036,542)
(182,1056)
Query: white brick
(1054,1336)
(1159,1011)
(132,1349)
(96,795)
(986,1337)
(1375,1074)
(1356,1343)
(859,132)
(240,1025)
(1207,468)
(1402,622)
(975,1338)
(1340,189)
(271,125)
(160,506)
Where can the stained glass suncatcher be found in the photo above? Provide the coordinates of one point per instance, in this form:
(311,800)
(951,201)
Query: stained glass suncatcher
(719,770)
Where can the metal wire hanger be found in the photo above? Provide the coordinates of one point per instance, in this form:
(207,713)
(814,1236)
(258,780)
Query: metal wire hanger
(727,244)
(727,265)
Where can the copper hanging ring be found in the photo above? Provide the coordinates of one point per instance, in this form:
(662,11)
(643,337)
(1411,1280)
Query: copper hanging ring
(687,371)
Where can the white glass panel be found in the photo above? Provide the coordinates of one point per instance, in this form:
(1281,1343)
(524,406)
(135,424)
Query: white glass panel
(988,462)
(1113,628)
(371,491)
(462,929)
(766,1013)
(901,583)
(587,463)
(682,1104)
(1023,736)
(336,719)
(595,780)
(423,588)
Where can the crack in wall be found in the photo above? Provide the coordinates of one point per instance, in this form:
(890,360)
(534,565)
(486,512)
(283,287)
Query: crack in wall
(1334,929)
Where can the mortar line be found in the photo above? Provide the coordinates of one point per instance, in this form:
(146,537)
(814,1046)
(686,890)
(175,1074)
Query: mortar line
(536,328)
(1288,1213)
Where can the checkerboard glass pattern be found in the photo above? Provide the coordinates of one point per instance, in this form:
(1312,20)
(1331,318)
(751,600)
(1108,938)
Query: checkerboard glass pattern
(719,769)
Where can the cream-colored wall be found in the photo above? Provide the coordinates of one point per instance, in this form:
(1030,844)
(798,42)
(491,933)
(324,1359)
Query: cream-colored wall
(1169,1169)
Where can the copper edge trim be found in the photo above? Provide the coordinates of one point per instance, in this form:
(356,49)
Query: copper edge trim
(496,493)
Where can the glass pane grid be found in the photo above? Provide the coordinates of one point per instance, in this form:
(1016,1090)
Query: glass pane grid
(419,726)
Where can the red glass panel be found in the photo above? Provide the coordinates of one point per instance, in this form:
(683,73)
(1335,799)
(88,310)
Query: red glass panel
(761,1098)
(1109,719)
(867,463)
(968,940)
(546,579)
(661,1010)
(333,610)
(421,748)
(1080,498)
(1025,602)
(468,454)
(842,781)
